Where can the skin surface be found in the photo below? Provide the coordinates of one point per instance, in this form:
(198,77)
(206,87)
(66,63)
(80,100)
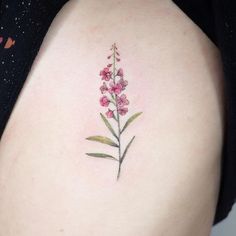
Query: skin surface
(170,178)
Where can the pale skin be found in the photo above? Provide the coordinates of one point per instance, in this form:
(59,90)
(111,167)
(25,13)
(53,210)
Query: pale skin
(170,179)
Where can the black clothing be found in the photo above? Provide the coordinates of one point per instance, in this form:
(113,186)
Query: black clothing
(217,18)
(23,25)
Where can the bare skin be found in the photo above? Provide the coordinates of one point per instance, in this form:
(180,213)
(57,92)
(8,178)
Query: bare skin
(170,179)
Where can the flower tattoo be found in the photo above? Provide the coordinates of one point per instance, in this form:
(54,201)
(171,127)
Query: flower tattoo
(116,102)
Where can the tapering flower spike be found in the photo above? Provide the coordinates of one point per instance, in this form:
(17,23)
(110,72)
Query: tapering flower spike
(116,103)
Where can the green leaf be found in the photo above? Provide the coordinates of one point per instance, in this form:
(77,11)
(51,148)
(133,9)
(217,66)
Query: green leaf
(102,139)
(108,125)
(101,155)
(126,149)
(132,118)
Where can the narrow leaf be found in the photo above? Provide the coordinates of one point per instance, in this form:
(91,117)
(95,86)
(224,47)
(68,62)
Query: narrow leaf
(108,125)
(101,155)
(126,149)
(132,118)
(102,139)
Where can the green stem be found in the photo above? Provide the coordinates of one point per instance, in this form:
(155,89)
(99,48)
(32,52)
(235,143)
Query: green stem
(119,141)
(118,116)
(118,175)
(114,63)
(113,102)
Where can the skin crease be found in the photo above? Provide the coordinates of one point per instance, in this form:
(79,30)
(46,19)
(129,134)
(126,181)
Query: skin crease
(170,178)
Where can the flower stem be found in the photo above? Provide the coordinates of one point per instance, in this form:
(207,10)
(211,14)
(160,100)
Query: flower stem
(114,63)
(118,116)
(119,141)
(118,175)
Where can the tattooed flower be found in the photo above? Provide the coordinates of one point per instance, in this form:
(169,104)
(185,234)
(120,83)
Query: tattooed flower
(115,88)
(104,101)
(122,101)
(106,74)
(120,73)
(116,106)
(110,113)
(122,110)
(104,88)
(123,83)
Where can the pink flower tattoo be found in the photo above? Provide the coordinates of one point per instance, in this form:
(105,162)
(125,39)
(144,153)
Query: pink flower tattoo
(104,101)
(110,113)
(106,74)
(116,101)
(122,101)
(120,73)
(122,110)
(115,88)
(104,88)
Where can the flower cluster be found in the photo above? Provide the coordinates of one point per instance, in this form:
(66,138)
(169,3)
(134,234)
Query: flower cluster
(113,86)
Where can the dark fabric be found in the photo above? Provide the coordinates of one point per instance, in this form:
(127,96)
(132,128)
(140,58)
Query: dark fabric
(202,13)
(24,22)
(23,25)
(217,18)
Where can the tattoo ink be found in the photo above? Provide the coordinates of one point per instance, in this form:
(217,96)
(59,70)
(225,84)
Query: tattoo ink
(116,102)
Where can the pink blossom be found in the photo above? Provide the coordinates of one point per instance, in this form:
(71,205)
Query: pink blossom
(123,83)
(106,74)
(115,88)
(122,110)
(122,100)
(120,73)
(109,113)
(104,101)
(103,88)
